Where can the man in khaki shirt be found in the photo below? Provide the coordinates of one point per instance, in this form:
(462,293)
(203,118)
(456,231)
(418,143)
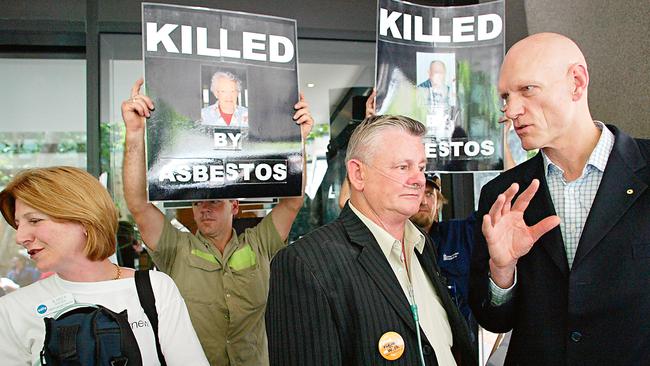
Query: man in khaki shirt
(223,277)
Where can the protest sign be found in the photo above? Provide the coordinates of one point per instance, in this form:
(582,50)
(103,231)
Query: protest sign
(440,65)
(224,85)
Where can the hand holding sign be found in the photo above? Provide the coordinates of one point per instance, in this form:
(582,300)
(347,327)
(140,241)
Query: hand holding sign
(303,117)
(136,108)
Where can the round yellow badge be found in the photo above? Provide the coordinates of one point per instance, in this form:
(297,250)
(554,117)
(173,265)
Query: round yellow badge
(391,346)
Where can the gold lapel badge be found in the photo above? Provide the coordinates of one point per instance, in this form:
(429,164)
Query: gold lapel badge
(391,346)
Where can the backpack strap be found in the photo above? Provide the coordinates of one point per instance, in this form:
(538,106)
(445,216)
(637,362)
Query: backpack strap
(148,303)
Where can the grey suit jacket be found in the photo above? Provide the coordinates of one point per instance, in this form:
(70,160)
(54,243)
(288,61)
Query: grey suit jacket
(595,313)
(333,295)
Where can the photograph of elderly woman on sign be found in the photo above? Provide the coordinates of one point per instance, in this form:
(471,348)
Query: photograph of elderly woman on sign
(225,102)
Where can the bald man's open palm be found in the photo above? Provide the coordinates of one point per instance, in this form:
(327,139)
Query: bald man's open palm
(507,234)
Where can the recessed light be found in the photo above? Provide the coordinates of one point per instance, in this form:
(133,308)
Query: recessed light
(311,85)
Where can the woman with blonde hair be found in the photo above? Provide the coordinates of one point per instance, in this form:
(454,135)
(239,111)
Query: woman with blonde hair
(67,222)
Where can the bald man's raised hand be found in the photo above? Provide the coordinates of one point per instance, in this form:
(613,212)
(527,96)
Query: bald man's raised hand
(508,236)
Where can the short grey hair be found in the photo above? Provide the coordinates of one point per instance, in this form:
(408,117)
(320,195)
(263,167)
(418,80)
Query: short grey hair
(362,144)
(226,75)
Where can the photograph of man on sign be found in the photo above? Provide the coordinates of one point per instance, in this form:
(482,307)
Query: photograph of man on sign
(436,92)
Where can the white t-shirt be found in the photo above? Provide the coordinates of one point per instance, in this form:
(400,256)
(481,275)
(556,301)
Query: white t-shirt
(22,328)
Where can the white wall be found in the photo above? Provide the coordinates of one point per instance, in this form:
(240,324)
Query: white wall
(613,35)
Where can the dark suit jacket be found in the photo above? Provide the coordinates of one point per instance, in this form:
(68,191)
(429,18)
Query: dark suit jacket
(597,312)
(333,295)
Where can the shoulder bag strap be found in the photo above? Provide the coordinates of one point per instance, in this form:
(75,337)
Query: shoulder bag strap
(148,303)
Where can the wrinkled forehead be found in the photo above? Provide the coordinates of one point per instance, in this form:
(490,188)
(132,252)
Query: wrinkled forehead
(539,58)
(520,69)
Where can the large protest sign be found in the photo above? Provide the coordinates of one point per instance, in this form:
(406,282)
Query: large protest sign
(440,65)
(224,85)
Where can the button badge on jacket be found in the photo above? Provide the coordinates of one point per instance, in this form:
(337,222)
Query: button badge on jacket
(391,346)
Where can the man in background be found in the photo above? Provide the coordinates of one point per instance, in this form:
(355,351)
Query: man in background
(132,252)
(431,204)
(453,241)
(21,272)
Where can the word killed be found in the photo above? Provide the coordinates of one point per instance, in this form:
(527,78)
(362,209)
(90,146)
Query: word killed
(410,27)
(197,40)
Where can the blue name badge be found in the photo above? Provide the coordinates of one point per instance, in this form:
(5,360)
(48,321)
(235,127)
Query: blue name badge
(54,304)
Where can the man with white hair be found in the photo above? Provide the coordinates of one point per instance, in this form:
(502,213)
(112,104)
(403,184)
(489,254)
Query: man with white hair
(366,288)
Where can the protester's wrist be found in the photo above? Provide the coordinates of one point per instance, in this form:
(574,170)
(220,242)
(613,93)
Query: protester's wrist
(134,131)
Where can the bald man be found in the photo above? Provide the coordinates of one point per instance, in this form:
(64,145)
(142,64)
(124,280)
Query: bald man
(562,254)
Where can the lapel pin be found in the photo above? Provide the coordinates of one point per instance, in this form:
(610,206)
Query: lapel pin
(391,346)
(630,191)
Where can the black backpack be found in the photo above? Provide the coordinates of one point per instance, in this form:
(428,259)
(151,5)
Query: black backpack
(94,335)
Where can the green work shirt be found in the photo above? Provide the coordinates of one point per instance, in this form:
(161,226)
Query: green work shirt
(225,294)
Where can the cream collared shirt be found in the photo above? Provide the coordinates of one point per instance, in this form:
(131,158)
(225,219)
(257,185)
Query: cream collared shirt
(433,317)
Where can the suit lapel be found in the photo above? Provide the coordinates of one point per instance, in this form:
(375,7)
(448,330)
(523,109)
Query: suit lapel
(617,191)
(540,207)
(373,261)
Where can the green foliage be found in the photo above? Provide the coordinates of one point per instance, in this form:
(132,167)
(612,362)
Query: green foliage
(477,96)
(319,130)
(164,126)
(111,138)
(22,150)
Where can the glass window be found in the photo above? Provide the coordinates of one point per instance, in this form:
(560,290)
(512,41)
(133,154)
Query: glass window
(42,123)
(120,66)
(330,73)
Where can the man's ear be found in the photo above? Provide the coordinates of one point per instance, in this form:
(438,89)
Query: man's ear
(235,206)
(580,76)
(356,174)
